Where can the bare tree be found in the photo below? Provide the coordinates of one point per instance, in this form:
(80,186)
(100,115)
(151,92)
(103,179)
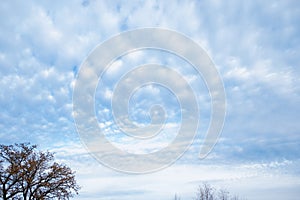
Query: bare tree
(207,192)
(176,197)
(28,174)
(223,194)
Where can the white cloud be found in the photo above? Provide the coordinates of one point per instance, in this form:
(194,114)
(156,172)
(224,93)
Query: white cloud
(182,179)
(254,44)
(283,82)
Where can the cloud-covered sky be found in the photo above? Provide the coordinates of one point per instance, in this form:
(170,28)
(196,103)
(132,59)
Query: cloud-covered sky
(254,45)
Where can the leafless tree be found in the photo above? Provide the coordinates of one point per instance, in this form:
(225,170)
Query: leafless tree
(176,197)
(207,192)
(28,174)
(223,194)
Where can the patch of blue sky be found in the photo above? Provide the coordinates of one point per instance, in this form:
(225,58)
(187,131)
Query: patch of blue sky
(255,46)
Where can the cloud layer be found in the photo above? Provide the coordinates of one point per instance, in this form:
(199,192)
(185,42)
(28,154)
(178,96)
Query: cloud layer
(255,46)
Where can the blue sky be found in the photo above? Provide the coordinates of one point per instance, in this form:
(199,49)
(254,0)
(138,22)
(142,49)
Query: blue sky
(254,45)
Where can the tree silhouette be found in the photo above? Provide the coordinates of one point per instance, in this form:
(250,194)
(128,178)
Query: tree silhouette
(176,197)
(28,174)
(207,192)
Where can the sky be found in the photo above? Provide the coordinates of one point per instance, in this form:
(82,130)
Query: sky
(254,45)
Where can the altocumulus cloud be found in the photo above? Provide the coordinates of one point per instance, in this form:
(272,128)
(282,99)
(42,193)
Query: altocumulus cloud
(255,46)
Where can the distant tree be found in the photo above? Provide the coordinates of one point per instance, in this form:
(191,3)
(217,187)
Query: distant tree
(223,194)
(28,174)
(207,192)
(176,197)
